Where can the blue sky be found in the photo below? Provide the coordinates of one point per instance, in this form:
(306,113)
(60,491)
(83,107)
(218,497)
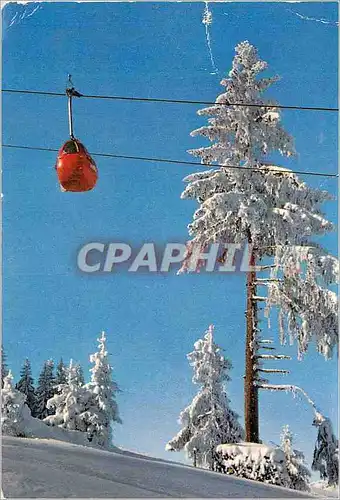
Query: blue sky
(152,321)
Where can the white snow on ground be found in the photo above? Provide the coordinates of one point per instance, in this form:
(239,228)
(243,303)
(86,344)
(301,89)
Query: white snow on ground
(35,468)
(35,428)
(319,489)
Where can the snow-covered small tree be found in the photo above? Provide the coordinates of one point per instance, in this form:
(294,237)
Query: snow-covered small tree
(69,403)
(79,374)
(61,373)
(102,411)
(25,385)
(45,389)
(4,368)
(326,452)
(299,474)
(208,421)
(12,406)
(258,462)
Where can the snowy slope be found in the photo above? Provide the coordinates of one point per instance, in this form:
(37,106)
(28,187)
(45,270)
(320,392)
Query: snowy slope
(321,490)
(35,468)
(35,428)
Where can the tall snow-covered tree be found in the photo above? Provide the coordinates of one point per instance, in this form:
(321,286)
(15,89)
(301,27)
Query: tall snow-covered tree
(12,406)
(299,474)
(208,421)
(25,385)
(69,403)
(61,373)
(45,389)
(263,204)
(247,200)
(102,410)
(326,452)
(4,368)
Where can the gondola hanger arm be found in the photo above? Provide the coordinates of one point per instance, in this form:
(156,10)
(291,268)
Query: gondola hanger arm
(70,89)
(71,92)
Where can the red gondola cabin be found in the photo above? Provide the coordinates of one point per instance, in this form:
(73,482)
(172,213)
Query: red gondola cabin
(75,168)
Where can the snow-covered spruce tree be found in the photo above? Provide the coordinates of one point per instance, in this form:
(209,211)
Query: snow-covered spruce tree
(61,373)
(4,368)
(102,409)
(69,403)
(12,406)
(45,389)
(262,204)
(208,421)
(326,452)
(79,374)
(25,385)
(299,474)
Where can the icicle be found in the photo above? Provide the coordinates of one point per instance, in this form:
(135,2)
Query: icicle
(207,21)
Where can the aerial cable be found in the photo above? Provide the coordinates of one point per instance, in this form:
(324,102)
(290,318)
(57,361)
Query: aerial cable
(179,162)
(174,101)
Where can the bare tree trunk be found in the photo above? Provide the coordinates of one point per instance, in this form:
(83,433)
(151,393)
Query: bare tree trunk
(251,406)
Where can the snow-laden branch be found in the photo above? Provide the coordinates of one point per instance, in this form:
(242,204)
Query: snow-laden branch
(273,356)
(272,370)
(265,281)
(293,389)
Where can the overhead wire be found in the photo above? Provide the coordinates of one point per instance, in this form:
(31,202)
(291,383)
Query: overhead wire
(173,101)
(177,162)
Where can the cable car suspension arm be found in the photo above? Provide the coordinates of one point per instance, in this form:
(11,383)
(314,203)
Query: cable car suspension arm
(71,92)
